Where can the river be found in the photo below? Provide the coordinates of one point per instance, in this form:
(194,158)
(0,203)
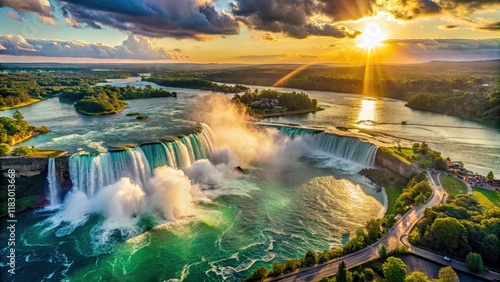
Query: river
(277,210)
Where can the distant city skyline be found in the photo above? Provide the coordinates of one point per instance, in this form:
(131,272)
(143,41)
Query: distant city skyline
(248,31)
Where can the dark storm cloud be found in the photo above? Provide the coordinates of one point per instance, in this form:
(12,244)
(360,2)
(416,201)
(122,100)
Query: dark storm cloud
(134,47)
(411,9)
(153,18)
(447,49)
(293,17)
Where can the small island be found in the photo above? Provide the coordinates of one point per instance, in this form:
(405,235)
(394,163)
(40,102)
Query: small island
(196,83)
(104,100)
(15,130)
(269,103)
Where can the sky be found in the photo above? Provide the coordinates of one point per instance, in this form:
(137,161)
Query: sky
(248,31)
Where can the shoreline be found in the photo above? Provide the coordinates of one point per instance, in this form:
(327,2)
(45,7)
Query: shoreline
(25,104)
(288,113)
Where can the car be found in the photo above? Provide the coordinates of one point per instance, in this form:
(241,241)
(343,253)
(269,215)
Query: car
(446,258)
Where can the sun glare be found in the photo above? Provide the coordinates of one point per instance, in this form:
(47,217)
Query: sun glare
(372,36)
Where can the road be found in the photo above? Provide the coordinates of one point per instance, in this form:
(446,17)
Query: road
(394,237)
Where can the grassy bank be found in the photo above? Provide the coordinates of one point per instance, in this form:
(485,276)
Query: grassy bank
(487,198)
(393,184)
(32,101)
(452,186)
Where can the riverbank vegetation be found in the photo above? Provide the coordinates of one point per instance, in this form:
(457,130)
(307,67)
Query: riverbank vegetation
(16,129)
(420,153)
(392,182)
(460,226)
(25,88)
(196,83)
(478,107)
(416,192)
(102,100)
(270,101)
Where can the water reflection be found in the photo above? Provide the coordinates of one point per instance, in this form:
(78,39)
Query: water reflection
(367,113)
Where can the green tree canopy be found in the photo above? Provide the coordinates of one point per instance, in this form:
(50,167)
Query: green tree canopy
(341,272)
(474,262)
(416,276)
(447,234)
(394,270)
(447,274)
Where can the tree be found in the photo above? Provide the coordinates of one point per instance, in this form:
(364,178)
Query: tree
(447,274)
(373,230)
(394,270)
(369,274)
(447,235)
(277,270)
(416,148)
(382,251)
(259,274)
(310,259)
(417,276)
(342,272)
(18,116)
(474,262)
(5,149)
(490,175)
(424,148)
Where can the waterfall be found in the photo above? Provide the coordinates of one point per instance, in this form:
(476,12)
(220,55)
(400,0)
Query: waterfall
(89,173)
(53,184)
(348,148)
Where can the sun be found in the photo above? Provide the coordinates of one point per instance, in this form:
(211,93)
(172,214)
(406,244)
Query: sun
(372,36)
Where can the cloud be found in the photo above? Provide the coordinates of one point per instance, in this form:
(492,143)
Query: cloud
(447,49)
(152,18)
(13,16)
(263,36)
(492,26)
(41,7)
(294,18)
(411,9)
(134,47)
(448,26)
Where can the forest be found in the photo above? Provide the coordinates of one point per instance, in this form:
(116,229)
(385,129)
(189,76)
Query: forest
(479,107)
(196,83)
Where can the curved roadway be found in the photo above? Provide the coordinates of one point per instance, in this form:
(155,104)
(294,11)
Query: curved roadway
(392,239)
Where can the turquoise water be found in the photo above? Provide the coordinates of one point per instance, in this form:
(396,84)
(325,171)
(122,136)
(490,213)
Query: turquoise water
(218,224)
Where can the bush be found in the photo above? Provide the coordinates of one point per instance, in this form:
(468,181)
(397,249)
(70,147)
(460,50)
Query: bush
(5,149)
(259,274)
(277,270)
(310,259)
(474,262)
(23,151)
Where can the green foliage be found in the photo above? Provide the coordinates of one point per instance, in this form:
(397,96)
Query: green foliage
(480,107)
(259,274)
(263,100)
(5,149)
(133,114)
(310,259)
(23,151)
(447,274)
(292,265)
(142,117)
(382,251)
(399,251)
(447,235)
(490,175)
(416,276)
(277,270)
(196,83)
(474,262)
(417,191)
(369,274)
(42,129)
(341,275)
(459,226)
(394,270)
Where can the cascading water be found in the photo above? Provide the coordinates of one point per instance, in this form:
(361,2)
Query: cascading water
(89,173)
(348,148)
(53,183)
